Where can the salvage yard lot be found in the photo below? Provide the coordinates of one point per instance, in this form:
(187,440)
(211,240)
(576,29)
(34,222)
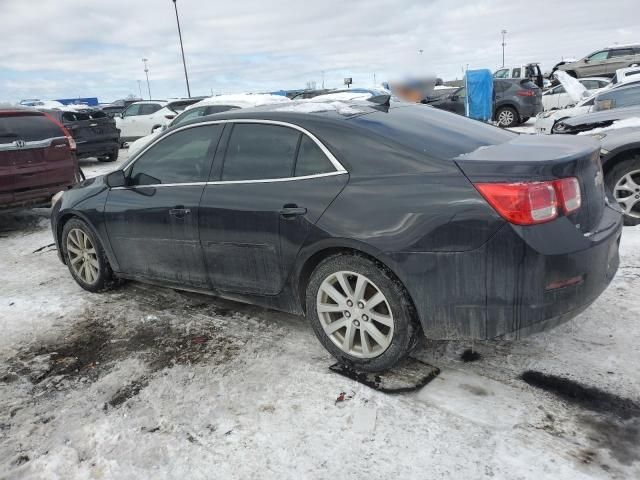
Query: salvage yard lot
(144,382)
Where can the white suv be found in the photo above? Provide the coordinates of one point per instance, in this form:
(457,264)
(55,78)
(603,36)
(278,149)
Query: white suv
(142,118)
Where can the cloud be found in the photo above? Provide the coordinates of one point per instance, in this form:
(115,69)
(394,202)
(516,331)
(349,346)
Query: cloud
(62,48)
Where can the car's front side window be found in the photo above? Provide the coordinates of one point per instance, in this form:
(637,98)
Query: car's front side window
(599,56)
(132,110)
(189,115)
(501,73)
(258,152)
(182,157)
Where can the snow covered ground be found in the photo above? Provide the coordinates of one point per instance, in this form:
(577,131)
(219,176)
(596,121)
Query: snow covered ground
(145,382)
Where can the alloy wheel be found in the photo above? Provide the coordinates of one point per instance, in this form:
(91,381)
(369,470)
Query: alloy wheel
(506,117)
(82,256)
(355,314)
(627,193)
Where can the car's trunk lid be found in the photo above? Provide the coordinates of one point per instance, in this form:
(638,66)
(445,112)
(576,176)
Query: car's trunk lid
(529,158)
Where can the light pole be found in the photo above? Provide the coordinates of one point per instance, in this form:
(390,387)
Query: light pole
(140,87)
(146,72)
(323,79)
(184,64)
(504,32)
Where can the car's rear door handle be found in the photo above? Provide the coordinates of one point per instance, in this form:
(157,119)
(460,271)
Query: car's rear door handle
(179,212)
(292,210)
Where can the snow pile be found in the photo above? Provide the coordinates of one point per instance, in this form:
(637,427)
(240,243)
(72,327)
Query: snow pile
(242,100)
(573,87)
(304,106)
(618,124)
(342,96)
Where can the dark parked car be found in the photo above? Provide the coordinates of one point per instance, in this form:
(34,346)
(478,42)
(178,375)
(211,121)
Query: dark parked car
(376,223)
(93,130)
(589,121)
(620,155)
(36,158)
(515,101)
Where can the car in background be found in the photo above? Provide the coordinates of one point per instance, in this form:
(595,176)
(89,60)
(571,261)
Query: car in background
(37,158)
(607,97)
(557,97)
(94,132)
(604,63)
(117,107)
(515,101)
(500,234)
(210,106)
(620,157)
(141,118)
(530,71)
(593,120)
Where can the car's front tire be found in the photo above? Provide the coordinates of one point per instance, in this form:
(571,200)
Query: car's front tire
(624,181)
(361,313)
(85,257)
(507,117)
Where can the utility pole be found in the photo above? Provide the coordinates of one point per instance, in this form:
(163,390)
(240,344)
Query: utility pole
(146,72)
(140,87)
(184,63)
(504,32)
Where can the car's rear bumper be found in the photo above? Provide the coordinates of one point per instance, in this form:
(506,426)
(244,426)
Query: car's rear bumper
(92,149)
(33,197)
(505,288)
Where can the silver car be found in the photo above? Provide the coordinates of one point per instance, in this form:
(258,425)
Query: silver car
(604,62)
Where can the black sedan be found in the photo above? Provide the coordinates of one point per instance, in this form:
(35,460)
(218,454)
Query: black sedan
(375,221)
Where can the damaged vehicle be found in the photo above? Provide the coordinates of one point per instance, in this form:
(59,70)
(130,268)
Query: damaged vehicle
(377,221)
(94,132)
(37,158)
(620,156)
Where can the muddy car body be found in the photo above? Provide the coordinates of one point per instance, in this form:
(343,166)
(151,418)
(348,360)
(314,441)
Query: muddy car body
(395,224)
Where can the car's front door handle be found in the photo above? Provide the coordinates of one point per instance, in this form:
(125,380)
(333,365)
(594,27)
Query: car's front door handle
(179,212)
(291,211)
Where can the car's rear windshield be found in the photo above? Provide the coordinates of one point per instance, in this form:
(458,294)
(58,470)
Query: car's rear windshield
(28,128)
(436,133)
(86,115)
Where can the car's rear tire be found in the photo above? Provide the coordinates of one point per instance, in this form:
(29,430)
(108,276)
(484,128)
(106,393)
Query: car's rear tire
(624,181)
(112,157)
(364,335)
(524,120)
(507,117)
(85,257)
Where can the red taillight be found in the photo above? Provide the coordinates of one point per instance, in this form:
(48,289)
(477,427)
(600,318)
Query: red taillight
(526,93)
(569,194)
(70,139)
(528,203)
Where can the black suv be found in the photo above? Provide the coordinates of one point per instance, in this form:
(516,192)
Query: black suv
(514,101)
(93,130)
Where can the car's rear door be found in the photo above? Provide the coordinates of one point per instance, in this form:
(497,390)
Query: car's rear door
(152,223)
(270,185)
(619,58)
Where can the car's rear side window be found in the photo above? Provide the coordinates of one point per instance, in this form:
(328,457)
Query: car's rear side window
(28,128)
(258,152)
(181,157)
(311,159)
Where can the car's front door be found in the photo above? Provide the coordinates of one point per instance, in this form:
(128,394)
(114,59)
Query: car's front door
(128,121)
(152,223)
(594,65)
(265,197)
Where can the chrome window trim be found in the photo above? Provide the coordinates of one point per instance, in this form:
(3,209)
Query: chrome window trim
(232,182)
(334,161)
(12,146)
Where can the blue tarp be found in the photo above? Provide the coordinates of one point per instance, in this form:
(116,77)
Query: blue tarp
(479,102)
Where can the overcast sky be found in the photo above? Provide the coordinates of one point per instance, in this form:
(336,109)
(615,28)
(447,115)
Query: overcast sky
(69,48)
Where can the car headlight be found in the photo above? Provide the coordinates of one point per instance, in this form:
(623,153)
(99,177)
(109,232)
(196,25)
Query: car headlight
(57,197)
(603,152)
(599,136)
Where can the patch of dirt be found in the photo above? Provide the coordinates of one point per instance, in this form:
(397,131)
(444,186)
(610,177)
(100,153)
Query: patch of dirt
(614,422)
(93,346)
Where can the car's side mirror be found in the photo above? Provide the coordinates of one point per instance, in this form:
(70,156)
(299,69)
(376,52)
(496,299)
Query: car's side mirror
(586,60)
(120,115)
(116,179)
